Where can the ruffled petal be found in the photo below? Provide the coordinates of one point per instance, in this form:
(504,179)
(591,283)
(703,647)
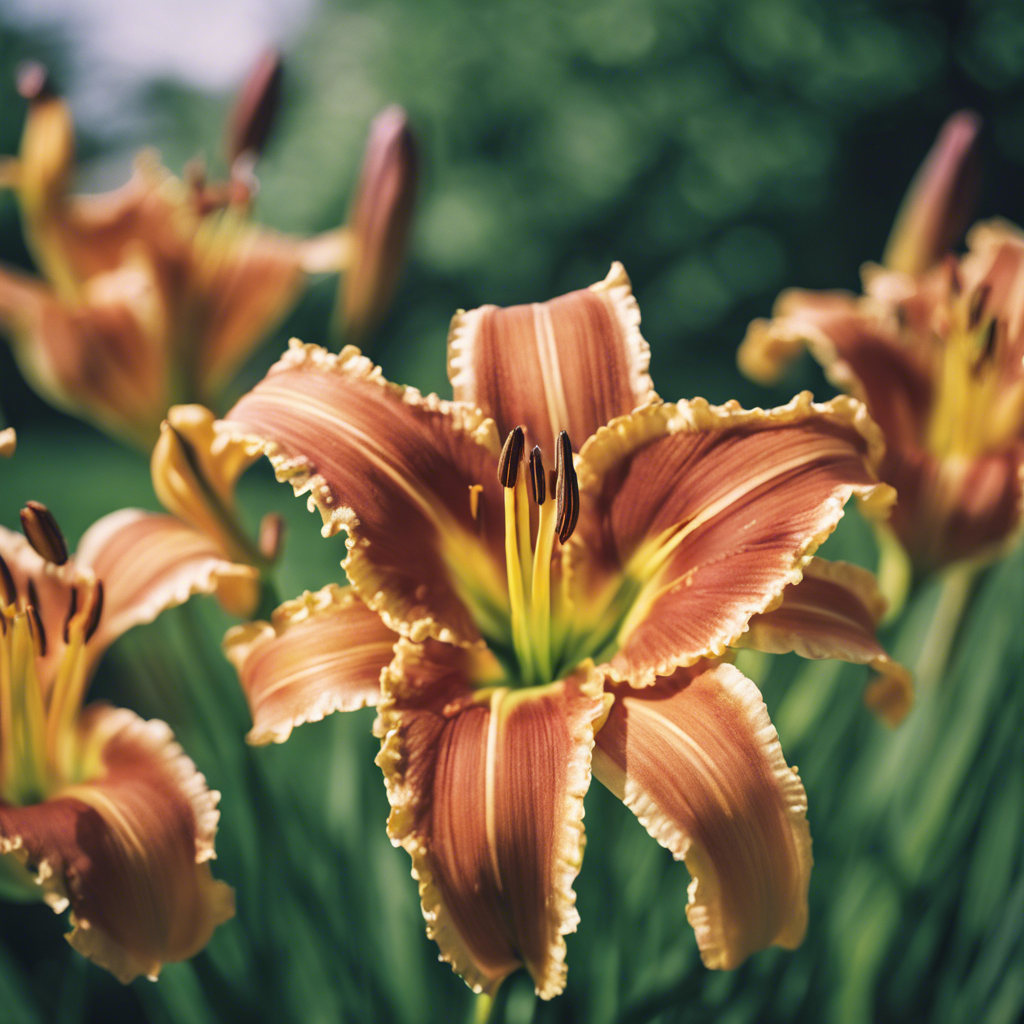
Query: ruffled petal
(394,469)
(320,653)
(698,761)
(709,512)
(571,364)
(127,849)
(150,562)
(859,349)
(486,789)
(940,200)
(833,612)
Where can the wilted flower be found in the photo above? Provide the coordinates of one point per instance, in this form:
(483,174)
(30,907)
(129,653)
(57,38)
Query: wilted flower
(935,348)
(499,658)
(157,291)
(100,810)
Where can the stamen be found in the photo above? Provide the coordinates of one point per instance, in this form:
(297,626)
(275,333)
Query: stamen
(43,533)
(72,608)
(977,307)
(475,490)
(95,612)
(7,589)
(33,594)
(537,476)
(567,490)
(988,344)
(511,456)
(38,633)
(33,81)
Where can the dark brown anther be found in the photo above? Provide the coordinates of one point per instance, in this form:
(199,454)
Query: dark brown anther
(36,624)
(567,490)
(511,456)
(72,608)
(95,612)
(537,476)
(271,536)
(977,307)
(33,81)
(252,117)
(8,591)
(43,533)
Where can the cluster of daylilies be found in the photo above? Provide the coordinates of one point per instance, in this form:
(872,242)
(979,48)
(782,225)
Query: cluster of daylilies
(547,576)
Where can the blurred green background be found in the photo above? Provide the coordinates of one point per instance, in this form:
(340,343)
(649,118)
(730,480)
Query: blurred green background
(722,150)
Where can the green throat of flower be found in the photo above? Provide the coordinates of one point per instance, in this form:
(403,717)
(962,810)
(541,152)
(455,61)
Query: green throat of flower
(541,636)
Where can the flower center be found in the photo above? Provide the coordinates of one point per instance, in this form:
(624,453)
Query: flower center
(539,633)
(977,408)
(39,703)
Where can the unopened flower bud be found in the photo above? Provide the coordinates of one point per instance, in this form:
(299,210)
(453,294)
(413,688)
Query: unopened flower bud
(379,222)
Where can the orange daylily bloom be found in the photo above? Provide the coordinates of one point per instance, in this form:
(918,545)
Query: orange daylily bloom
(935,348)
(157,291)
(501,661)
(100,810)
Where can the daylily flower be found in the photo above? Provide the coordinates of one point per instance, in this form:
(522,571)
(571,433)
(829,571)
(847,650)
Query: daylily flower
(499,659)
(100,810)
(935,348)
(8,442)
(157,291)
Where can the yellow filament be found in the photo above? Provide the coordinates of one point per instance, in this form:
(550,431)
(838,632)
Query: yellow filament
(517,596)
(523,529)
(540,591)
(28,770)
(66,701)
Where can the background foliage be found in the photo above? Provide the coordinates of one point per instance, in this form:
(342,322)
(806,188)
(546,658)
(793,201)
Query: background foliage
(722,149)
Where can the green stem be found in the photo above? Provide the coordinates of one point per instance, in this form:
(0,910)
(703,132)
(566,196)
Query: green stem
(938,641)
(483,1008)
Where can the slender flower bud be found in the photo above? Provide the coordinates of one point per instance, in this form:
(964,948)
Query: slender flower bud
(940,199)
(8,442)
(252,117)
(379,222)
(43,533)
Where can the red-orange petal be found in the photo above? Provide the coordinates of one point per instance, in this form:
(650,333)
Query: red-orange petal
(713,511)
(858,348)
(320,653)
(698,761)
(394,469)
(572,363)
(833,612)
(128,849)
(486,789)
(150,562)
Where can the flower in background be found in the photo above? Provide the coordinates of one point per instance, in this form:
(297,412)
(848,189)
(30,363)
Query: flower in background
(156,292)
(510,619)
(100,810)
(8,442)
(935,348)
